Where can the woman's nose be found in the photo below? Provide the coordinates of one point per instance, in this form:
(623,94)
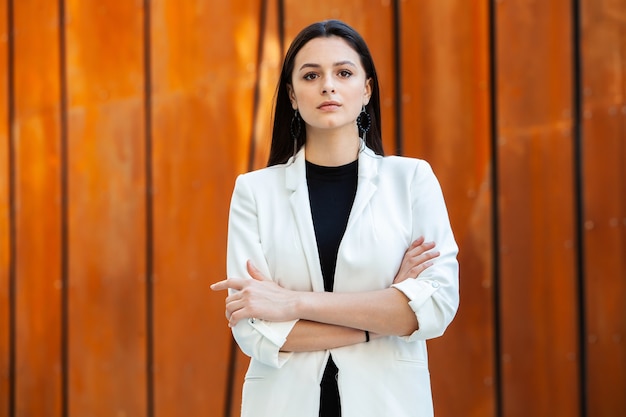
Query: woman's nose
(328,87)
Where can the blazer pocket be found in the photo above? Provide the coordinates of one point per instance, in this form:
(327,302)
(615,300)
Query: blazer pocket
(407,361)
(258,371)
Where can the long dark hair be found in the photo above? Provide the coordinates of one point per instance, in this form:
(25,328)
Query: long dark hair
(282,147)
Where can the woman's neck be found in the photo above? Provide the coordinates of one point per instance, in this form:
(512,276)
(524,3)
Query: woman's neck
(333,149)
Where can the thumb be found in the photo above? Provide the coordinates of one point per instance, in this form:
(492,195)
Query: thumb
(254,272)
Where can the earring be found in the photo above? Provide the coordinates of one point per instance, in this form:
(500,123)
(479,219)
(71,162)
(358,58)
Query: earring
(295,128)
(296,125)
(364,122)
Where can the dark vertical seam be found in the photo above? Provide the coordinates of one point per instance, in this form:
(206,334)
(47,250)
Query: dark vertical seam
(230,376)
(497,346)
(12,208)
(63,124)
(397,34)
(257,83)
(149,220)
(281,27)
(577,137)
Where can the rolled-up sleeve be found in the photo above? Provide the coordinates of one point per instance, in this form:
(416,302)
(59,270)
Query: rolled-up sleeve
(256,338)
(434,294)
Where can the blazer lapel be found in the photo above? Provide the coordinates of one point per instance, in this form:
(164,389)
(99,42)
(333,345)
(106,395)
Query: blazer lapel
(366,186)
(295,181)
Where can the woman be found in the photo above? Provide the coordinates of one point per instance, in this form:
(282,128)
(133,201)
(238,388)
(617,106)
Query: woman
(338,240)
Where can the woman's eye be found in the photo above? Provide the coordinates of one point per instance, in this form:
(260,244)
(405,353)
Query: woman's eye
(310,76)
(345,73)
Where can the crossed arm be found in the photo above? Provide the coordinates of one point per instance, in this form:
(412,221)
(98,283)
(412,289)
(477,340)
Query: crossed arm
(329,320)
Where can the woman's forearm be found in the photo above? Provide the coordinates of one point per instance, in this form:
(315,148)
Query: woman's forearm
(307,336)
(385,312)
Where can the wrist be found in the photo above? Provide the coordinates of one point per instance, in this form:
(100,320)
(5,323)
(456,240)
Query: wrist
(299,304)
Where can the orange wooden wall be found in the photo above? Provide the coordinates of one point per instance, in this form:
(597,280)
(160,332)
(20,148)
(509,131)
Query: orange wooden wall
(124,123)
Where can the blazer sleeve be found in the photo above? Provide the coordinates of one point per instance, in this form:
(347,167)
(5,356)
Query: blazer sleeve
(434,294)
(257,338)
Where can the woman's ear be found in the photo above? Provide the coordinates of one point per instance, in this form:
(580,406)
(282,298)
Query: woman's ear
(292,97)
(367,93)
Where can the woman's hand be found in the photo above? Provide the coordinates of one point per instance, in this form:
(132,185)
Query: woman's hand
(259,297)
(417,258)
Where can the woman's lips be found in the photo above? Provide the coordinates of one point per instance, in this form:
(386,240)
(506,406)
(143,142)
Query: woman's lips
(329,105)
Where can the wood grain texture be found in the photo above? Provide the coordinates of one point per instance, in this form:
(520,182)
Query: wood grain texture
(446,120)
(268,66)
(154,147)
(107,211)
(5,228)
(204,57)
(603,52)
(538,287)
(38,384)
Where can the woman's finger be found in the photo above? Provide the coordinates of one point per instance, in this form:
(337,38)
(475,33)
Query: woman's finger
(421,248)
(424,257)
(230,283)
(255,273)
(417,242)
(416,270)
(220,286)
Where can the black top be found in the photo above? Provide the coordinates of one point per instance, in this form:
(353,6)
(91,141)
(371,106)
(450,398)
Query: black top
(331,194)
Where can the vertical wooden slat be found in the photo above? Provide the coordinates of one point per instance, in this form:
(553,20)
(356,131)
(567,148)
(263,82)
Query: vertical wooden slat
(106,205)
(603,67)
(5,254)
(446,120)
(203,66)
(268,73)
(38,218)
(538,287)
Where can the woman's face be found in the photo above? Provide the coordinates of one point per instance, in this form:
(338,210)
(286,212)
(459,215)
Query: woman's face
(329,85)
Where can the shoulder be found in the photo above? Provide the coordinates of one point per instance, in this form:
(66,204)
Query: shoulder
(267,175)
(395,162)
(403,162)
(404,166)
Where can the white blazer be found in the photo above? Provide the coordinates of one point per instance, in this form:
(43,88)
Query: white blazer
(398,199)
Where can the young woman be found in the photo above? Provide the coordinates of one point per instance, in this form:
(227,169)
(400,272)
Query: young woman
(334,281)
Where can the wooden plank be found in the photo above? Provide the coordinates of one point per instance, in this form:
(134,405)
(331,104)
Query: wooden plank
(373,19)
(38,213)
(203,66)
(266,80)
(538,288)
(106,204)
(446,109)
(603,51)
(605,264)
(5,228)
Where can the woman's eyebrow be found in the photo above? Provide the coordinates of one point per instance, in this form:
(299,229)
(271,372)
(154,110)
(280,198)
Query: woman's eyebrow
(336,64)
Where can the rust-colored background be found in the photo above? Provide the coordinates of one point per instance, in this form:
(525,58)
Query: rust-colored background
(123,124)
